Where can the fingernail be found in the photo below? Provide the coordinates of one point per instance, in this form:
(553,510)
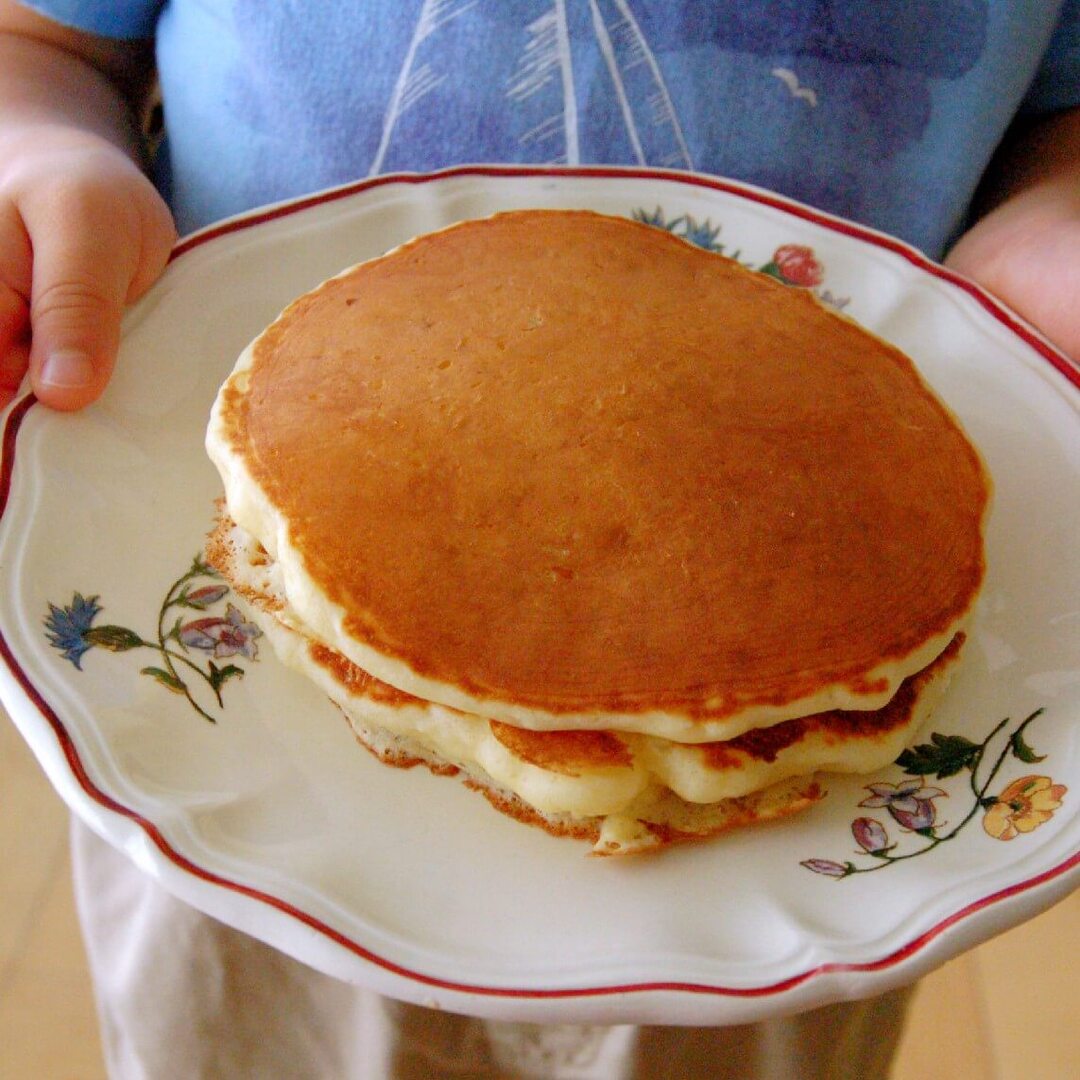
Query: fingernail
(67,370)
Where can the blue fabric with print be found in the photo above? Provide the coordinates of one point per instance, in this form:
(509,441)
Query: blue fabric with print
(883,112)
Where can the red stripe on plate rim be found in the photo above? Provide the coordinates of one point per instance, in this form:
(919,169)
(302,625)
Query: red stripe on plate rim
(21,409)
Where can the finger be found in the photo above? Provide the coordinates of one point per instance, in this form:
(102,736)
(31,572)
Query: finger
(81,276)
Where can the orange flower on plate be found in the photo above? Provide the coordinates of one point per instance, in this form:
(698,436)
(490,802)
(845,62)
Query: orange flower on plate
(1023,806)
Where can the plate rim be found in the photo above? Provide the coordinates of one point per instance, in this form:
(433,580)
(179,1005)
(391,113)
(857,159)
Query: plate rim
(893,960)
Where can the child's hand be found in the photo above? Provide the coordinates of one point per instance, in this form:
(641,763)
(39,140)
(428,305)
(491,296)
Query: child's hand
(82,233)
(1027,249)
(1030,258)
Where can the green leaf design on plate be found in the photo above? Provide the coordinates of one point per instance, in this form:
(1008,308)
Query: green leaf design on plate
(1023,751)
(166,678)
(219,676)
(113,638)
(942,757)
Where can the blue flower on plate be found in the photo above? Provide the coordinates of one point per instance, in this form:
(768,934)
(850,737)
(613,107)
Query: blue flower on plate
(66,627)
(703,234)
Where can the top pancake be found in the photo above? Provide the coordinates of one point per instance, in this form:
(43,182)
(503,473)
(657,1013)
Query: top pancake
(565,470)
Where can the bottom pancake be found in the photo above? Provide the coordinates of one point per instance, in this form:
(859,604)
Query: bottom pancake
(624,792)
(658,820)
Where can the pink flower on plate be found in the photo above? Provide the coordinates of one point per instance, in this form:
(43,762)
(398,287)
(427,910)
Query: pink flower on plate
(798,265)
(222,636)
(869,834)
(826,867)
(206,596)
(910,803)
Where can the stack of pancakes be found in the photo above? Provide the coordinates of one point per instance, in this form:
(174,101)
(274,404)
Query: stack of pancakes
(633,539)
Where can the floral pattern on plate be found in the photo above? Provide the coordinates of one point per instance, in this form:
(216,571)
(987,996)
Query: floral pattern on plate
(1021,807)
(70,629)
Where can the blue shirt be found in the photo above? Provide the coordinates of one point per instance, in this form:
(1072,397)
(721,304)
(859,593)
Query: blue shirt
(885,111)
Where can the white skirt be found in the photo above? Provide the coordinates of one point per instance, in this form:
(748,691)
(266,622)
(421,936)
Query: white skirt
(183,996)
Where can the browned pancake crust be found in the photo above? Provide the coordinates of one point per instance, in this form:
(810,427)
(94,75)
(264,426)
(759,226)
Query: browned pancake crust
(566,752)
(571,462)
(836,725)
(356,680)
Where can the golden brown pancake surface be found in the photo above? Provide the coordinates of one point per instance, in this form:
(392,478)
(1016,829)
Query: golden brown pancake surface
(572,464)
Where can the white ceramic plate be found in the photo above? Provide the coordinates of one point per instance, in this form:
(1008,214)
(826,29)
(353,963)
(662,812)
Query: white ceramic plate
(272,819)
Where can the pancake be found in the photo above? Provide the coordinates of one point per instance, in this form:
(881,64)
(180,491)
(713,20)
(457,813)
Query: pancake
(569,473)
(625,792)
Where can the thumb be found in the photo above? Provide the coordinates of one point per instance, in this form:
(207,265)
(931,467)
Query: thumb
(81,278)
